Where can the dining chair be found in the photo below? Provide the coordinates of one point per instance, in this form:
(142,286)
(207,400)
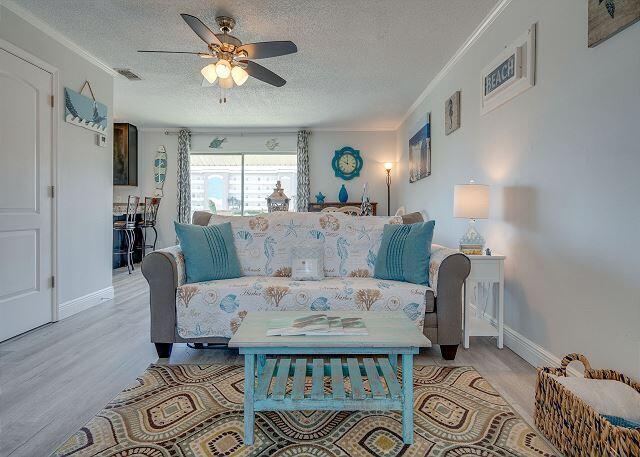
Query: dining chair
(128,227)
(151,205)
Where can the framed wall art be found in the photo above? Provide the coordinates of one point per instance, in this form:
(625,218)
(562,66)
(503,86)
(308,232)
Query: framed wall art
(420,152)
(510,73)
(608,17)
(452,113)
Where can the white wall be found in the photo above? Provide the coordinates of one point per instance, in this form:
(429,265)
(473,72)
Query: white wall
(375,147)
(84,170)
(562,160)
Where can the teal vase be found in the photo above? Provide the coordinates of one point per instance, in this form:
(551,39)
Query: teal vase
(343,196)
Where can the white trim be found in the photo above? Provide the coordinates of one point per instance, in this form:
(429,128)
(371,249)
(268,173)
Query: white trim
(55,135)
(475,36)
(76,305)
(59,37)
(532,352)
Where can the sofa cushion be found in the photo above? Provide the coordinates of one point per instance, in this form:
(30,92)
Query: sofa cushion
(209,252)
(263,242)
(216,308)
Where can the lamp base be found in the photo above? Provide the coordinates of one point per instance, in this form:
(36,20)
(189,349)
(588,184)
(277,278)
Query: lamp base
(472,243)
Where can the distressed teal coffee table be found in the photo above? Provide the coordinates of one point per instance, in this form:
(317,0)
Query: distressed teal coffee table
(390,335)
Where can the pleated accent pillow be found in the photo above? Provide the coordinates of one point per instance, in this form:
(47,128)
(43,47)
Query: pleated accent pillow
(209,252)
(405,252)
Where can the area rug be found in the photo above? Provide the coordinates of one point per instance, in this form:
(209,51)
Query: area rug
(191,410)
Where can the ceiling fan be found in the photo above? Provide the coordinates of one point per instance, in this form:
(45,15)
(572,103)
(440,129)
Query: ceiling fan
(234,59)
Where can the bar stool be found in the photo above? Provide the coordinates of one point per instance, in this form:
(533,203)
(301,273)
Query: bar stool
(128,227)
(151,205)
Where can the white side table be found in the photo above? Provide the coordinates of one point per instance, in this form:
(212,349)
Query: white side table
(484,268)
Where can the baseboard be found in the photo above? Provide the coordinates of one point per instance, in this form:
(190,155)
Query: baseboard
(532,352)
(76,305)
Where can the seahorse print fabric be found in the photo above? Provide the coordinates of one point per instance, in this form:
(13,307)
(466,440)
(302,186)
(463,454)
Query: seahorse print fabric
(264,242)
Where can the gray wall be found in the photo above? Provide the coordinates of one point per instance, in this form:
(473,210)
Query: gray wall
(84,169)
(562,160)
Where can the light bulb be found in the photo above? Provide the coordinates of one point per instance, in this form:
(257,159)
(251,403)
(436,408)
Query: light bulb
(239,75)
(226,83)
(388,166)
(223,69)
(209,73)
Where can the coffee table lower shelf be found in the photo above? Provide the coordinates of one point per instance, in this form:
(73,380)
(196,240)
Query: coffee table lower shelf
(268,391)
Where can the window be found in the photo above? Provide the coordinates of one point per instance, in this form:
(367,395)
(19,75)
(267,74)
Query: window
(239,184)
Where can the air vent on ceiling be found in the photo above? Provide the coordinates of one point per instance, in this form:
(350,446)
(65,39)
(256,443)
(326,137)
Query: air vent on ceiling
(127,73)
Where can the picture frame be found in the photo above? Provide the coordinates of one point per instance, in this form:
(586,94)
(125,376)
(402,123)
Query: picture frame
(609,17)
(420,152)
(452,113)
(510,73)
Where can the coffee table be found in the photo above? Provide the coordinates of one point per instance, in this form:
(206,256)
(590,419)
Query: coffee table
(390,335)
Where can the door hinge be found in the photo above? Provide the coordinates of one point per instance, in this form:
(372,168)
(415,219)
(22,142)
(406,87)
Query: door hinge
(52,100)
(52,281)
(52,191)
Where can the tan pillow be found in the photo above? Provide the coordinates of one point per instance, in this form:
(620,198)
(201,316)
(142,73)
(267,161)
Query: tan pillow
(606,396)
(412,218)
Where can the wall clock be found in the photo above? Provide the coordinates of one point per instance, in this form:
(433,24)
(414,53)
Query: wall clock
(347,163)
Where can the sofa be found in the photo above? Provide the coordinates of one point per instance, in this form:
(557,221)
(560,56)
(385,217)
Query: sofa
(211,311)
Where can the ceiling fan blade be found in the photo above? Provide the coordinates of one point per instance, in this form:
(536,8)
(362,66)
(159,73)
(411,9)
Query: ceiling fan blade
(204,55)
(268,49)
(201,29)
(263,74)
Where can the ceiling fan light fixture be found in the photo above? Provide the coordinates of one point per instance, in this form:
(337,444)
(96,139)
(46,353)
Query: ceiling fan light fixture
(209,73)
(226,83)
(239,75)
(223,69)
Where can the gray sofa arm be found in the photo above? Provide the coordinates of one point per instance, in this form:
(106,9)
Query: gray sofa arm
(164,271)
(452,273)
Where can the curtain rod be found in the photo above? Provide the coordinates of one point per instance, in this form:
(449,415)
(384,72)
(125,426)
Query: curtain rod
(175,132)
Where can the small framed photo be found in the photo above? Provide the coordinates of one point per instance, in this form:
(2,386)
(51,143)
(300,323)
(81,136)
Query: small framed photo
(452,113)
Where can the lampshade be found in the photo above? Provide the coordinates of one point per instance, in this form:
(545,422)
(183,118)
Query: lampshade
(209,73)
(388,165)
(223,68)
(226,83)
(471,201)
(239,75)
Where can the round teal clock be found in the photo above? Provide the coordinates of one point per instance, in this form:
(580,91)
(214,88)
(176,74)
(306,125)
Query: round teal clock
(347,163)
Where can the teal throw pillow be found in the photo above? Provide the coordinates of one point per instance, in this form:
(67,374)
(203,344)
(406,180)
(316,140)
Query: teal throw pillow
(405,252)
(209,252)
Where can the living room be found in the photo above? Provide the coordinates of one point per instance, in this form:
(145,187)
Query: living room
(422,178)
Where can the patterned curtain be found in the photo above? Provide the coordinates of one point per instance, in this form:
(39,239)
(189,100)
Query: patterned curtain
(304,182)
(184,176)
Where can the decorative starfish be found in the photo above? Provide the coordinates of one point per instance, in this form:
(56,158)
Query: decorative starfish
(320,197)
(292,228)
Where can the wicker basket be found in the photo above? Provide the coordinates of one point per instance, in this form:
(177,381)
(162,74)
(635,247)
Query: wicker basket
(574,427)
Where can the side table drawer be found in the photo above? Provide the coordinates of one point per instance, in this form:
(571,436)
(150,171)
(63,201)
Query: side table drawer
(484,270)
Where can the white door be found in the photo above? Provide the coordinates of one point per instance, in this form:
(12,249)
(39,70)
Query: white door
(26,294)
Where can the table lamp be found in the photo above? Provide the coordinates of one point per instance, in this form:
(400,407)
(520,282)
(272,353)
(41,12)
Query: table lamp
(471,201)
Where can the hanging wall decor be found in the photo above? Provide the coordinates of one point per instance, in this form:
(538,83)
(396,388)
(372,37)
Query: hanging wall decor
(85,111)
(608,17)
(271,144)
(452,113)
(510,73)
(160,170)
(216,143)
(420,152)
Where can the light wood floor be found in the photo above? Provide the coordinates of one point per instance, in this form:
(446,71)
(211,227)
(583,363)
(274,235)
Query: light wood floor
(55,378)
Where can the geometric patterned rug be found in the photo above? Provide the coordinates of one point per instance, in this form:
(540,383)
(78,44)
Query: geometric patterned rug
(192,410)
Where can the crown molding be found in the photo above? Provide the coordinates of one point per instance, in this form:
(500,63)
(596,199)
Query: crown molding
(475,36)
(57,36)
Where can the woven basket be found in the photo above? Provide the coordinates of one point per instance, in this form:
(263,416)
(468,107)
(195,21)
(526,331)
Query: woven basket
(574,427)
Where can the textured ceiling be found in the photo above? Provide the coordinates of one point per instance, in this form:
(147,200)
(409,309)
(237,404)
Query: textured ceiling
(360,63)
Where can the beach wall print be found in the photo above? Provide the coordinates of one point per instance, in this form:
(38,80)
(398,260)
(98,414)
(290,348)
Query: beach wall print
(84,111)
(452,113)
(420,152)
(160,171)
(608,17)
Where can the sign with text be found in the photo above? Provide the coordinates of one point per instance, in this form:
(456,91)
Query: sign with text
(504,73)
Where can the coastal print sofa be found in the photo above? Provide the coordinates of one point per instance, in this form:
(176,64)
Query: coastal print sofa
(211,311)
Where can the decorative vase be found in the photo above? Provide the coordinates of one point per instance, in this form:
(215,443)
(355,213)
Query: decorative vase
(343,196)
